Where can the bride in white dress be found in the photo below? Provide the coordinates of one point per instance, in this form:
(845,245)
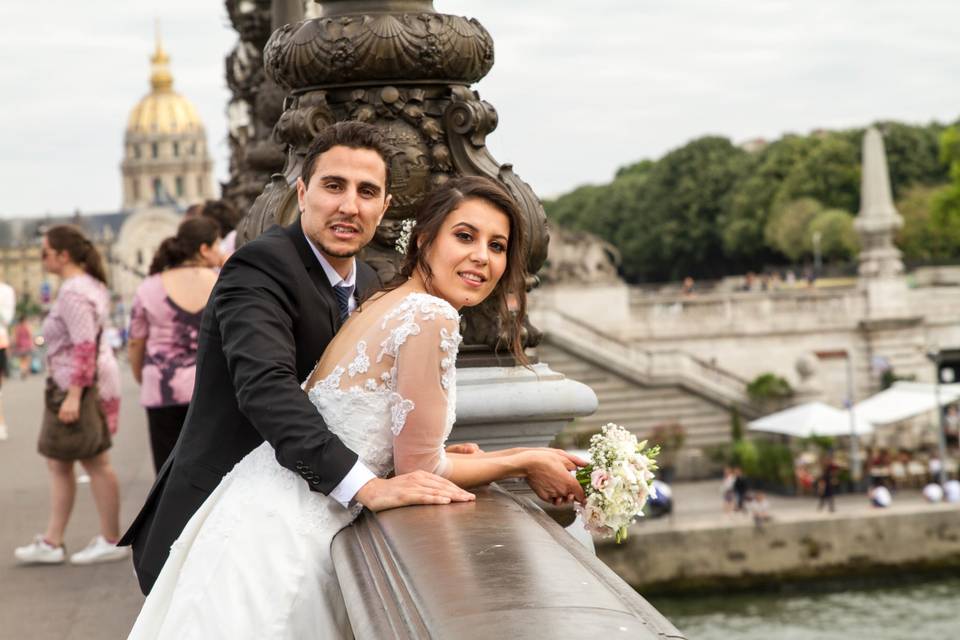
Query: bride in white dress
(254,561)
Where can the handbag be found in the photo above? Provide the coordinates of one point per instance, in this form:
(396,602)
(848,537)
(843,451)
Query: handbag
(85,438)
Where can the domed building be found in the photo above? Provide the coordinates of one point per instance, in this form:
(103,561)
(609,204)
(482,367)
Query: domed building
(165,146)
(165,168)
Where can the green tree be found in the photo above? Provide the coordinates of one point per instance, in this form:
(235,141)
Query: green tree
(769,387)
(838,238)
(829,173)
(945,209)
(752,200)
(675,229)
(913,155)
(918,238)
(788,230)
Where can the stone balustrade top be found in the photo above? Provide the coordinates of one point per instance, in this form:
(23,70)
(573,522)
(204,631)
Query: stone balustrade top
(496,568)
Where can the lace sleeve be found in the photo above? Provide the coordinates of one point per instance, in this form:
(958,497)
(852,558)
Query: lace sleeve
(425,371)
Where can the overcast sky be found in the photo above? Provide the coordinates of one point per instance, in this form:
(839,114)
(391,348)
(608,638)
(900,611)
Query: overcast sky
(581,88)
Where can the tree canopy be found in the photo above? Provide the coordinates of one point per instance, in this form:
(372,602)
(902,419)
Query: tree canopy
(710,208)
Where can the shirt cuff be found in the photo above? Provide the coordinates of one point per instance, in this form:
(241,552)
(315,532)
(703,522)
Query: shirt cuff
(358,476)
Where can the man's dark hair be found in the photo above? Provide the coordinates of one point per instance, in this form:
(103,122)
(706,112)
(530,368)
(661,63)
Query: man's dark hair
(351,134)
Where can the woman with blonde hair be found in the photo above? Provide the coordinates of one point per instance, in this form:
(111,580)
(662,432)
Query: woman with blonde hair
(82,399)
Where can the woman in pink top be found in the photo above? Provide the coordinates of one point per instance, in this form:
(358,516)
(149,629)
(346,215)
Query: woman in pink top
(83,398)
(165,324)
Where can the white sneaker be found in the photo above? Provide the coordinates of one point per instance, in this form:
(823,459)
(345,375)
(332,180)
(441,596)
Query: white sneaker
(3,432)
(39,552)
(83,478)
(99,550)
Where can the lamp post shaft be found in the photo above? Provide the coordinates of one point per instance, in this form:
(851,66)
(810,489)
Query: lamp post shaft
(854,454)
(941,436)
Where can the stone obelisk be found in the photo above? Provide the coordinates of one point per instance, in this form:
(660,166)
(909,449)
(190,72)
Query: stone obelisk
(881,270)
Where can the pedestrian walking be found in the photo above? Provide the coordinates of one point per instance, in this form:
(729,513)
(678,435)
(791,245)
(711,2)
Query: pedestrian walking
(827,485)
(23,346)
(165,326)
(726,489)
(81,402)
(739,488)
(8,303)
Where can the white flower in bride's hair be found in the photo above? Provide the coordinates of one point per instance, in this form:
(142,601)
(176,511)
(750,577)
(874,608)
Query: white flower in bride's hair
(406,232)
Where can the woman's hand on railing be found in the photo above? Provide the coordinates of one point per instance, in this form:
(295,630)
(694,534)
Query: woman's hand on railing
(548,474)
(464,448)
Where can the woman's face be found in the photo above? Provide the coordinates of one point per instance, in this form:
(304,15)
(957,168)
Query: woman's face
(469,254)
(51,259)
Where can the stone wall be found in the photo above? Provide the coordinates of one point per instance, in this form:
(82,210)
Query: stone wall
(749,333)
(912,539)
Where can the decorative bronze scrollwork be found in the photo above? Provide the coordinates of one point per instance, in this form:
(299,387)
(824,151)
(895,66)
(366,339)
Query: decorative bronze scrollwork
(406,69)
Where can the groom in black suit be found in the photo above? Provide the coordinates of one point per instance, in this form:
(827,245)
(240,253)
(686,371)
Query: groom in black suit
(277,304)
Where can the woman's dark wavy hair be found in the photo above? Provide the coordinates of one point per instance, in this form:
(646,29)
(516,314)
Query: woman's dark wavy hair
(69,238)
(435,208)
(191,235)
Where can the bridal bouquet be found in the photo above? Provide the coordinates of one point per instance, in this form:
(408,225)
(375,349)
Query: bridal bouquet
(617,483)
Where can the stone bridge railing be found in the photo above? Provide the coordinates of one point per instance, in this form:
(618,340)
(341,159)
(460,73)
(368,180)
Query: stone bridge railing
(653,316)
(496,568)
(645,366)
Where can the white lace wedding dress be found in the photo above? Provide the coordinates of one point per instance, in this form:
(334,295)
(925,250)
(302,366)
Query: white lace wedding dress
(254,561)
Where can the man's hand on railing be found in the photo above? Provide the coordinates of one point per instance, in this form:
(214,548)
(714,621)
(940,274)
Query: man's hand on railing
(416,487)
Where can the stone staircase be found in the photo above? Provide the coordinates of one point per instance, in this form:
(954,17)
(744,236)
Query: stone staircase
(640,408)
(639,388)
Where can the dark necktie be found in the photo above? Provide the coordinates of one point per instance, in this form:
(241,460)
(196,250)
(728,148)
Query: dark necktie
(343,301)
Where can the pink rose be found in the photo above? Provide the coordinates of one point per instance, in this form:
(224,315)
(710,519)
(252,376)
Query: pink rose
(599,479)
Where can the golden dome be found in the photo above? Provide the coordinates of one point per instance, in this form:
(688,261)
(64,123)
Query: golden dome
(163,111)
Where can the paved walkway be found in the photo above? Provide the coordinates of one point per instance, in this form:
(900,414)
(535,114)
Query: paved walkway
(65,602)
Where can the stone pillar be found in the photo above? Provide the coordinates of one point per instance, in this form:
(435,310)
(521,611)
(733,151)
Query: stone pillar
(890,329)
(881,270)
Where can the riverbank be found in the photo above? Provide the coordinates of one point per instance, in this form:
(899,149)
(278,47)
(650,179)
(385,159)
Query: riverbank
(700,549)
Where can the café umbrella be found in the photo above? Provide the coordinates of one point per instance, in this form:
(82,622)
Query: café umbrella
(811,419)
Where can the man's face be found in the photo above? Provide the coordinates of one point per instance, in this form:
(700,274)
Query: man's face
(344,202)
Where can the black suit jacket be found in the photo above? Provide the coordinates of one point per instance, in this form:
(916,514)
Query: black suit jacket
(269,319)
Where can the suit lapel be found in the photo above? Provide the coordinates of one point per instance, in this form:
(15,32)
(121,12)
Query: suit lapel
(317,275)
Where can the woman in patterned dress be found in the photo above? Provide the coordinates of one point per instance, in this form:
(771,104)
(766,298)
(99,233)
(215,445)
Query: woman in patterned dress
(165,325)
(83,373)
